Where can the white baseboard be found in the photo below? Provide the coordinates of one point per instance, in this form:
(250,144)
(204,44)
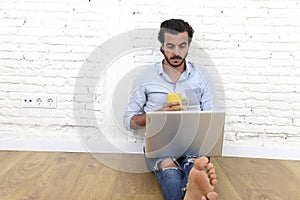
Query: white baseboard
(71,145)
(268,151)
(41,145)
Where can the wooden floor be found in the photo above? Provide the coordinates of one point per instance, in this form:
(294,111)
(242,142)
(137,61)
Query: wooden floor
(47,176)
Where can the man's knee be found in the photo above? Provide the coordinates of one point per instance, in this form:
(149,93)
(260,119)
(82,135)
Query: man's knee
(166,163)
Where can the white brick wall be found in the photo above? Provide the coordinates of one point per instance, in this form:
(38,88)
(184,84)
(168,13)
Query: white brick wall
(254,44)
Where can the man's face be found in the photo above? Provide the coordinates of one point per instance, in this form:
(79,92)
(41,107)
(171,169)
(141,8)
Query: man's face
(175,48)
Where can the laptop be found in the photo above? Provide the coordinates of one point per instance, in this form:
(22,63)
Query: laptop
(184,132)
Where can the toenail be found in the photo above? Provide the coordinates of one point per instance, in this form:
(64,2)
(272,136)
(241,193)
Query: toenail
(205,167)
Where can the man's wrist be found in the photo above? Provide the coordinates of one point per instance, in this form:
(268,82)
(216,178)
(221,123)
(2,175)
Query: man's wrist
(138,121)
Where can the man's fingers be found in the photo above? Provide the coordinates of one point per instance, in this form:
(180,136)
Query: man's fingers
(171,106)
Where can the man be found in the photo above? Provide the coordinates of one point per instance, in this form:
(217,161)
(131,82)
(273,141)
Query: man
(188,177)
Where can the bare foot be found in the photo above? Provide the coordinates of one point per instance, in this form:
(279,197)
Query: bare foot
(202,181)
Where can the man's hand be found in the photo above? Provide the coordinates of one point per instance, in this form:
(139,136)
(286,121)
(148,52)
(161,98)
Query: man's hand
(139,121)
(171,106)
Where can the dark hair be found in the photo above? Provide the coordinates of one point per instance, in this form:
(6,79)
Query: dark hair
(175,26)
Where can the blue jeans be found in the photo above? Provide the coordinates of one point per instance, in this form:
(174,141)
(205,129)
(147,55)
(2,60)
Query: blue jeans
(173,180)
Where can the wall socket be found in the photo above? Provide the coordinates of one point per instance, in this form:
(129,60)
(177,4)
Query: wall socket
(39,101)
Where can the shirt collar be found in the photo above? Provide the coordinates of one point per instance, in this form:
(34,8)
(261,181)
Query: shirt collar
(186,72)
(188,69)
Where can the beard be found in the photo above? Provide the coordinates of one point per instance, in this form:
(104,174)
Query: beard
(173,58)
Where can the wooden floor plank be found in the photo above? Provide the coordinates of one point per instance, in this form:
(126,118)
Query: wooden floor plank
(224,188)
(11,159)
(65,175)
(20,178)
(260,178)
(293,166)
(136,197)
(76,176)
(95,181)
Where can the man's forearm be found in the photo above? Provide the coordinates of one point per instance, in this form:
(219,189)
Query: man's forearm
(138,121)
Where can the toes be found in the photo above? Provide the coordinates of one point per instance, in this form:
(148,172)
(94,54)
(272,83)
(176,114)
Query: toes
(203,198)
(201,163)
(210,170)
(212,176)
(209,165)
(212,196)
(214,182)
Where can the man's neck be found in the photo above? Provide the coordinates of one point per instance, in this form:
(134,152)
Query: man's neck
(173,72)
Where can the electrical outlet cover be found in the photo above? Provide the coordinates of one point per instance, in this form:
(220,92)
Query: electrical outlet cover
(50,101)
(27,102)
(38,102)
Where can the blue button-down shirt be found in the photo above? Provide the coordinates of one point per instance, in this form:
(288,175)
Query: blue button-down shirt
(150,89)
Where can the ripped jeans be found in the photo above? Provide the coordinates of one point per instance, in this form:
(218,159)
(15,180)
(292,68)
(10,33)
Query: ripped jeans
(173,180)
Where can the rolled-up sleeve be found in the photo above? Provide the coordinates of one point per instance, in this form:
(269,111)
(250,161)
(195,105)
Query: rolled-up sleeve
(137,100)
(207,101)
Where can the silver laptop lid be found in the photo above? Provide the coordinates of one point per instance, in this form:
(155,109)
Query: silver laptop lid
(184,132)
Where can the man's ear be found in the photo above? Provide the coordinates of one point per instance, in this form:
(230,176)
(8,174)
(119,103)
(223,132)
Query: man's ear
(162,50)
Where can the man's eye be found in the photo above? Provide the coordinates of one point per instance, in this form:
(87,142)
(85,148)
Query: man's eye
(182,46)
(170,46)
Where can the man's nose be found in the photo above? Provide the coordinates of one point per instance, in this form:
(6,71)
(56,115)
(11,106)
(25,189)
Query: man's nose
(176,51)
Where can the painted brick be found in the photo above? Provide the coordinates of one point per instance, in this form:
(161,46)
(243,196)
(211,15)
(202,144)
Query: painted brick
(254,45)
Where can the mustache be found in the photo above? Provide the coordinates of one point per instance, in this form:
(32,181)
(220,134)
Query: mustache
(176,57)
